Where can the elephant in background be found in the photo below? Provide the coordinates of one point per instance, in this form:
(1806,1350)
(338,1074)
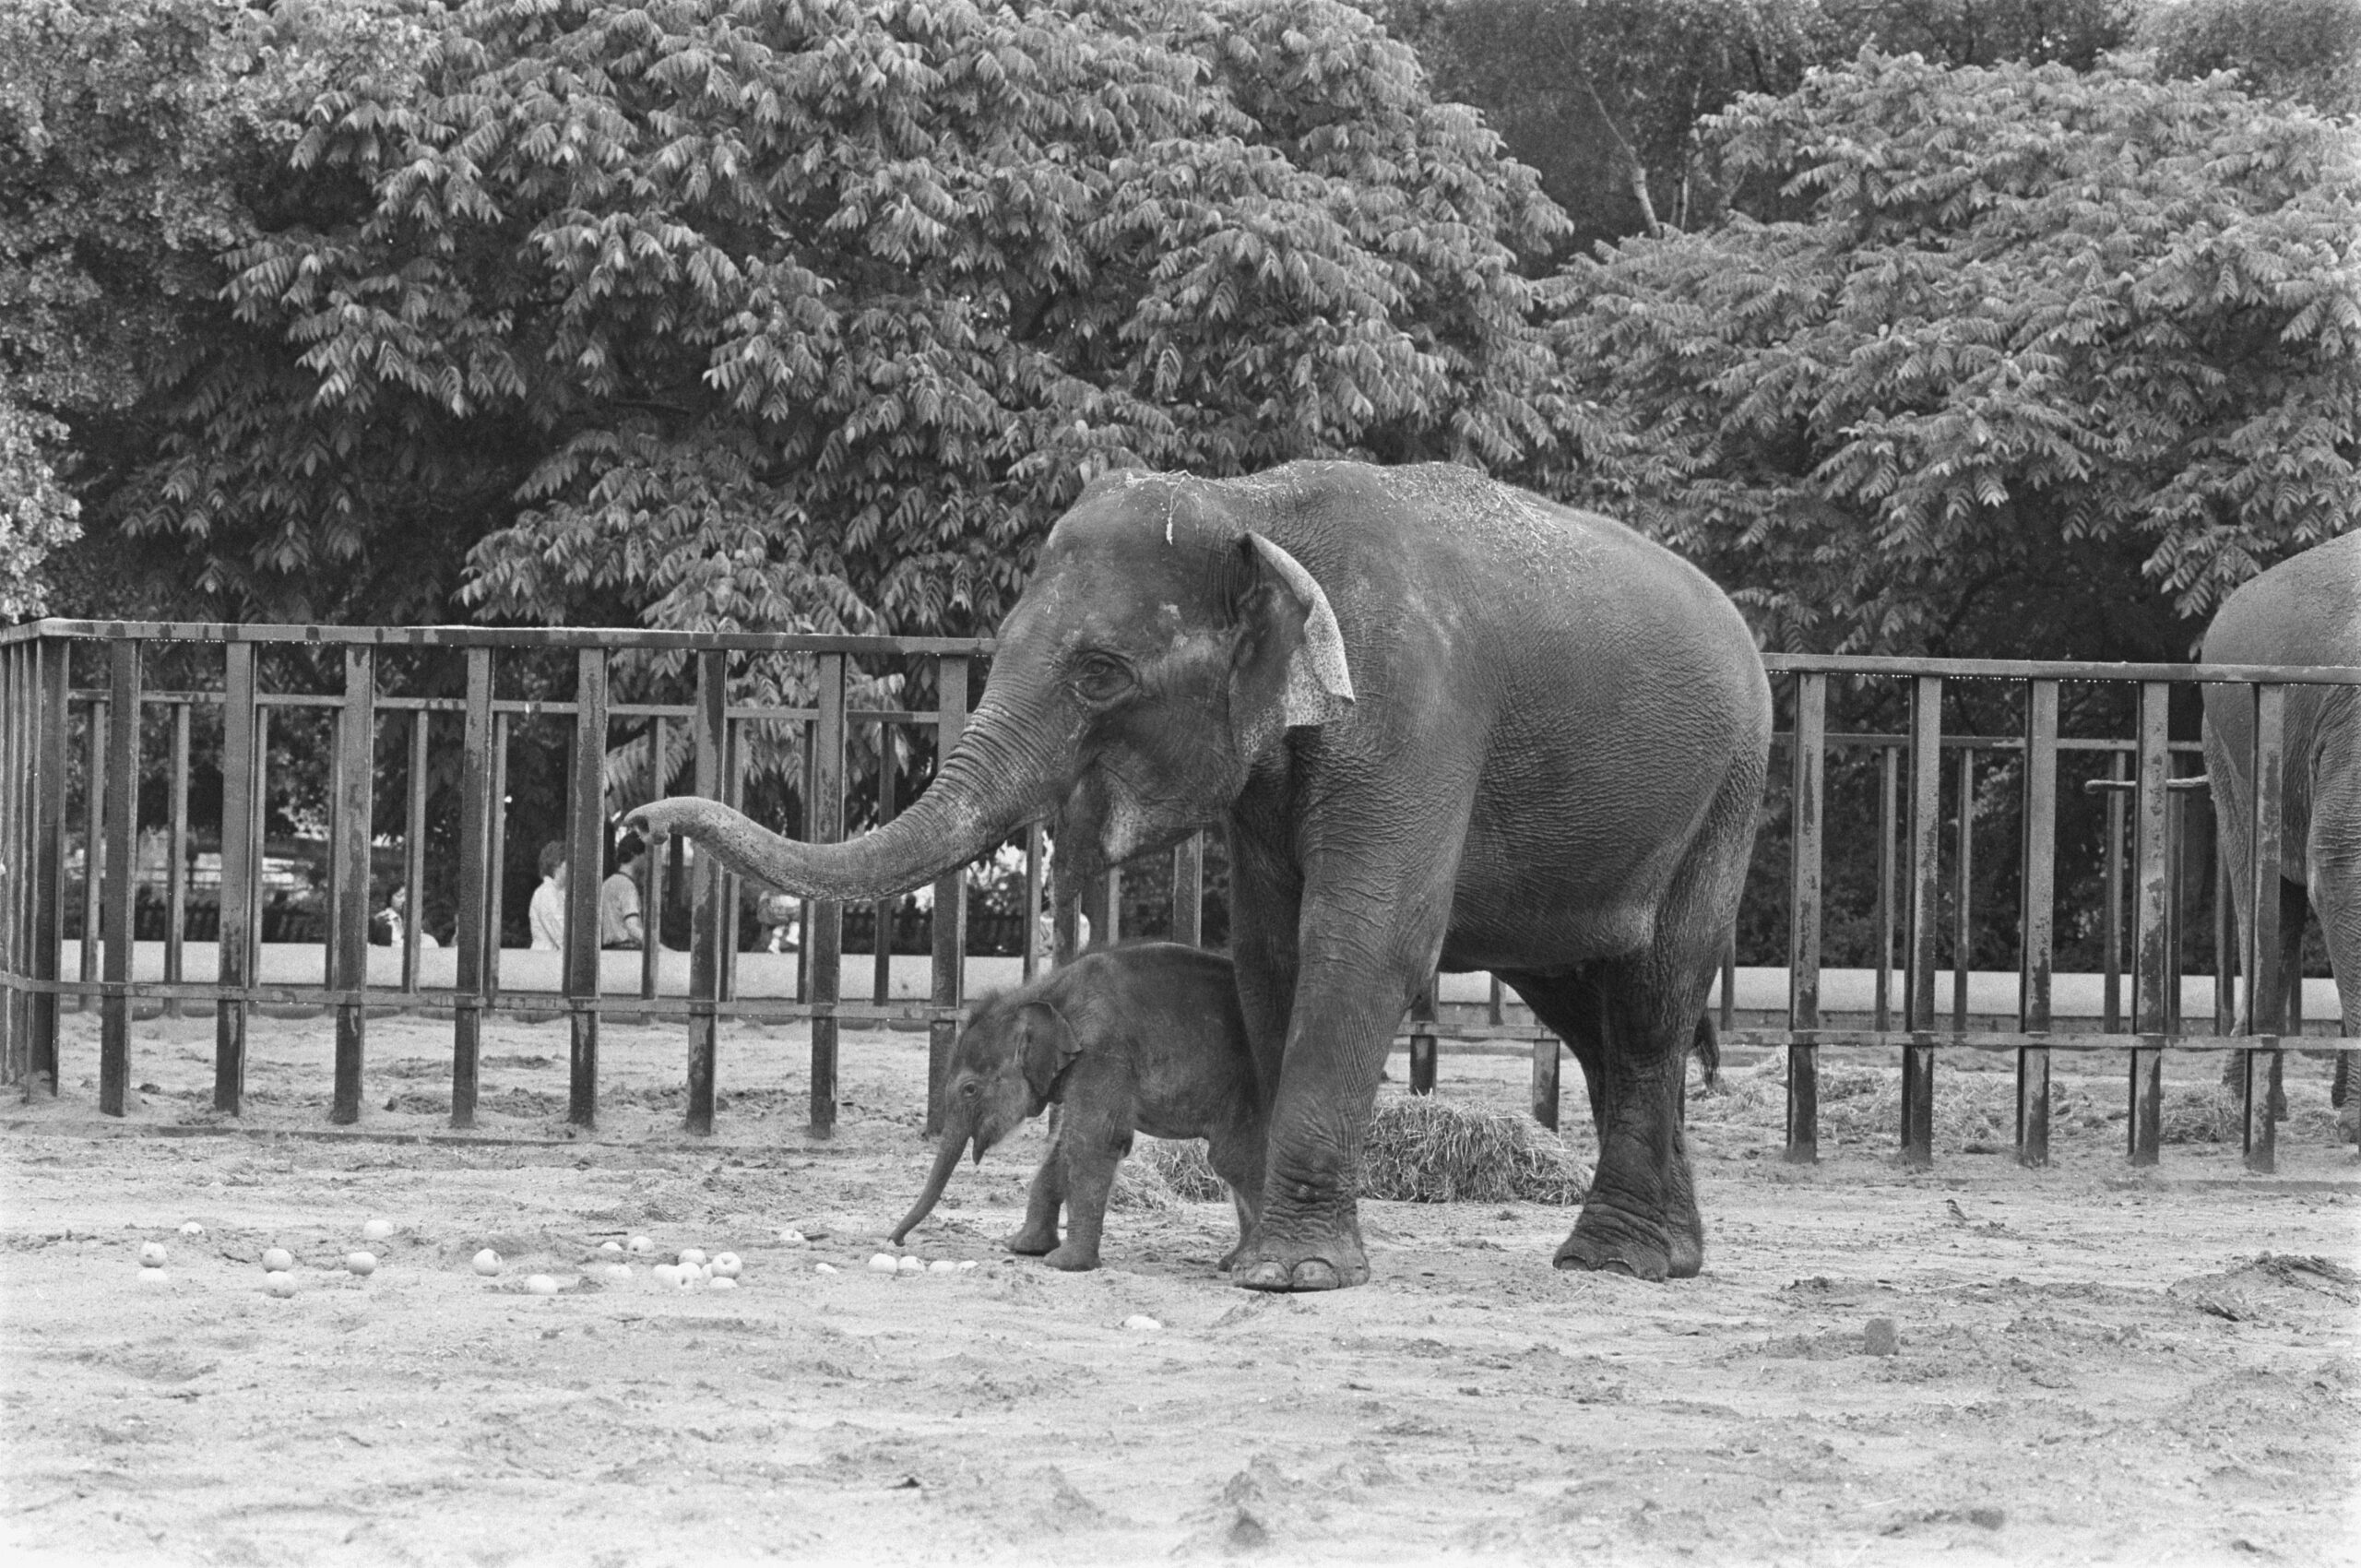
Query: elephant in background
(1444,723)
(2307,610)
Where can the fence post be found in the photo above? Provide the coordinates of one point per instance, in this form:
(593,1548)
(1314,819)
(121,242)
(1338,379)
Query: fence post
(651,904)
(2111,917)
(1809,795)
(495,914)
(950,899)
(478,872)
(1422,1048)
(1925,872)
(882,944)
(414,849)
(1963,884)
(823,933)
(1033,855)
(1189,890)
(586,866)
(1889,770)
(56,662)
(2151,927)
(240,860)
(349,831)
(2036,938)
(94,798)
(177,860)
(2266,974)
(708,889)
(122,866)
(16,734)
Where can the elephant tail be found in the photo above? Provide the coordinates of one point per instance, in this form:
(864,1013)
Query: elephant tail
(1708,1048)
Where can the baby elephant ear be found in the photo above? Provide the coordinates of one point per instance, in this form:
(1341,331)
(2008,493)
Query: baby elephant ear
(1318,683)
(1048,1047)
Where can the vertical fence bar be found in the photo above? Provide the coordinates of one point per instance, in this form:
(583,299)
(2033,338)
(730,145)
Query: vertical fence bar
(586,865)
(176,859)
(2151,926)
(414,849)
(805,908)
(950,899)
(94,799)
(734,785)
(14,731)
(2175,826)
(349,822)
(1422,1051)
(122,867)
(258,830)
(1889,770)
(1034,855)
(2224,924)
(337,879)
(1963,896)
(1925,873)
(1808,794)
(1495,1004)
(882,944)
(823,933)
(495,913)
(652,889)
(55,662)
(478,873)
(1189,890)
(707,726)
(241,859)
(2266,976)
(2111,916)
(2037,928)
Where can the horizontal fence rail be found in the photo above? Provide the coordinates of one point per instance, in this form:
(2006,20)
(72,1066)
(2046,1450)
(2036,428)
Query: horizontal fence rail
(64,735)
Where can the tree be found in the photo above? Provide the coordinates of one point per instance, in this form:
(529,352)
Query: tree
(2051,362)
(36,515)
(811,314)
(2308,50)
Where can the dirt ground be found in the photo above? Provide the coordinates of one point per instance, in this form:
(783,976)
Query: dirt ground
(2094,1364)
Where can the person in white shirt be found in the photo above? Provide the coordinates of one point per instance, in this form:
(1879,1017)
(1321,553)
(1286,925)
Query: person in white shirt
(548,912)
(619,918)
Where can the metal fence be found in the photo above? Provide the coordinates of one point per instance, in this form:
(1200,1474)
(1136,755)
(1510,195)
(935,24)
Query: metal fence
(46,713)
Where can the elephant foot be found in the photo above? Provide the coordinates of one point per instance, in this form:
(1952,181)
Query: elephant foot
(1071,1259)
(1312,1267)
(1031,1243)
(1604,1239)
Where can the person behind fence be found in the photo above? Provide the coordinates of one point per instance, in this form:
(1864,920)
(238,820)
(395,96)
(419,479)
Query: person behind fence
(548,912)
(619,917)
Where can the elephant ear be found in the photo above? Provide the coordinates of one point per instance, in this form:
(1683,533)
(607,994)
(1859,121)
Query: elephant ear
(1047,1046)
(1294,660)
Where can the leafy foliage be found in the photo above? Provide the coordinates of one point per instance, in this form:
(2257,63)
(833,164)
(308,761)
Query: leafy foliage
(810,313)
(36,515)
(2303,49)
(2044,344)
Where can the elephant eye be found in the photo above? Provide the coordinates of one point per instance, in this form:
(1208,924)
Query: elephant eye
(1101,677)
(968,1089)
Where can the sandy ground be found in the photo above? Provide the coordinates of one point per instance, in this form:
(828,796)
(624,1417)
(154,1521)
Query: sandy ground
(2094,1364)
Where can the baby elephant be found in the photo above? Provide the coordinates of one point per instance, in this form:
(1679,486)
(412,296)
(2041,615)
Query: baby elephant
(1144,1039)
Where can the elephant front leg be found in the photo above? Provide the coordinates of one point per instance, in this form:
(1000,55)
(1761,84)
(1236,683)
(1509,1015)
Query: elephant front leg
(1091,1157)
(1038,1234)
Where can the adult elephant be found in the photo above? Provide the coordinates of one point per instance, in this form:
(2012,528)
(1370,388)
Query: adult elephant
(1442,722)
(2307,610)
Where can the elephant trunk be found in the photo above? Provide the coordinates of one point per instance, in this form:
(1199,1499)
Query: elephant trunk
(997,778)
(947,1160)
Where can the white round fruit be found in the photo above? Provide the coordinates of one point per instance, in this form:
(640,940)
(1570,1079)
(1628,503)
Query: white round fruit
(639,1244)
(617,1272)
(790,1239)
(823,1268)
(911,1265)
(378,1231)
(689,1279)
(540,1285)
(943,1265)
(487,1262)
(611,1249)
(692,1254)
(279,1282)
(151,1255)
(154,1276)
(728,1265)
(666,1273)
(191,1228)
(278,1260)
(882,1263)
(721,1282)
(967,1263)
(1142,1322)
(362,1264)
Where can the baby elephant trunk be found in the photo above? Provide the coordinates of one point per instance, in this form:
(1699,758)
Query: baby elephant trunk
(946,1159)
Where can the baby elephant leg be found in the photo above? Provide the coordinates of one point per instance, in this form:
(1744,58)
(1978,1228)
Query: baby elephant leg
(1236,1155)
(1038,1234)
(1091,1156)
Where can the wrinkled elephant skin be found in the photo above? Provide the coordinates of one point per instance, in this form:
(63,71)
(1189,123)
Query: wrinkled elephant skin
(2307,610)
(1442,722)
